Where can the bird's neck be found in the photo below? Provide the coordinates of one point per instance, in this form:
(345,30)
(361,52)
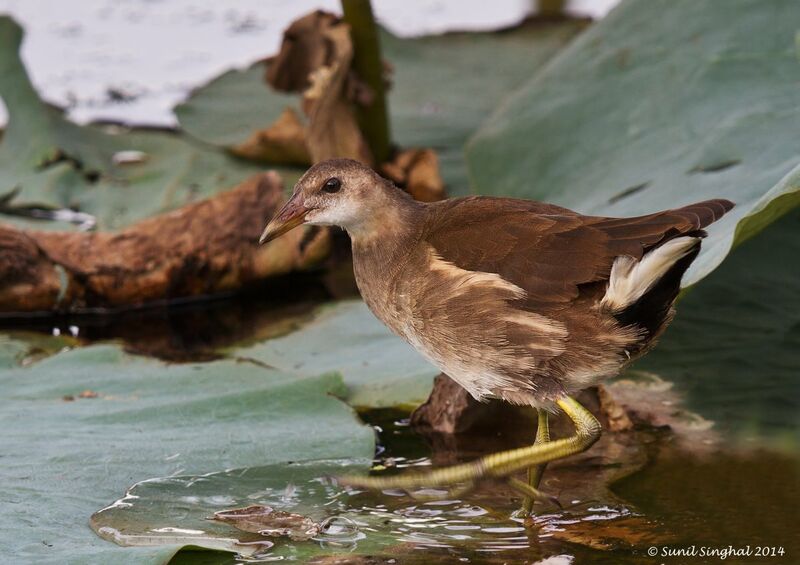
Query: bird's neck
(381,249)
(393,218)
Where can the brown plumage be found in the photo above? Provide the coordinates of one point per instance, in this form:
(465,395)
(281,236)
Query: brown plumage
(514,299)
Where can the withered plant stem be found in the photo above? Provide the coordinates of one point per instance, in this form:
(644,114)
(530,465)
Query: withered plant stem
(368,64)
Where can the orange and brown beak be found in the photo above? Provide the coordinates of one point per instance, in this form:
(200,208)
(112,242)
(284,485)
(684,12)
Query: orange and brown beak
(291,215)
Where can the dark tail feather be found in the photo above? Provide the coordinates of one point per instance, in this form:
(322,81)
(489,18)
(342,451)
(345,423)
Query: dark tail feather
(702,214)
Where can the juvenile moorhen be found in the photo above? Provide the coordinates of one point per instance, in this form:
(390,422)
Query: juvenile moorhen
(513,299)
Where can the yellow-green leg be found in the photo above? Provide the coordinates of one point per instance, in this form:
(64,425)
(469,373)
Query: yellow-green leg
(535,473)
(497,465)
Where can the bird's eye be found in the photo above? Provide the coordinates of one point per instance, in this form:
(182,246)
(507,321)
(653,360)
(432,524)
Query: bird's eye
(332,185)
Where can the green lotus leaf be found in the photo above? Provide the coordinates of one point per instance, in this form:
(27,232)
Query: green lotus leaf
(82,426)
(662,103)
(379,369)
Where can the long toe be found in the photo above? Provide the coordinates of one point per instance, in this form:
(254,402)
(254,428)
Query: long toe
(444,477)
(533,493)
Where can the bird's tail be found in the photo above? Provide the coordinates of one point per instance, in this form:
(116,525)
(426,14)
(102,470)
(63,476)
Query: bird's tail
(641,292)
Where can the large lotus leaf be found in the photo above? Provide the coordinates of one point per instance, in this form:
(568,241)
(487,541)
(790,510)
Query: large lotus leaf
(379,368)
(226,110)
(445,85)
(442,88)
(49,162)
(82,426)
(733,347)
(660,104)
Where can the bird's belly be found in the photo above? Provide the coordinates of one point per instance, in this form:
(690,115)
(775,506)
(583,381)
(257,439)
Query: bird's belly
(465,364)
(474,373)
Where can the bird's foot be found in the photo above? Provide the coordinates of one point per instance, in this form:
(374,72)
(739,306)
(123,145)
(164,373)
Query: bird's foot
(532,494)
(498,466)
(450,482)
(425,486)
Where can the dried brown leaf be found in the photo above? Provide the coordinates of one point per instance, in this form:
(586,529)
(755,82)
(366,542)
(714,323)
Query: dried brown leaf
(304,48)
(617,416)
(608,534)
(203,248)
(416,171)
(333,130)
(315,59)
(282,142)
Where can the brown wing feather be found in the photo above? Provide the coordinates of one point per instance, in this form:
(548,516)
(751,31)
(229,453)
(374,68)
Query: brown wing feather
(551,251)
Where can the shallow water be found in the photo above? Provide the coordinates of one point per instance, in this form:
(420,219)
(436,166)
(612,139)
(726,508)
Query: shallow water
(195,330)
(680,501)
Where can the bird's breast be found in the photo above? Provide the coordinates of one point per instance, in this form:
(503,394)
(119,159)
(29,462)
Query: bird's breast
(377,284)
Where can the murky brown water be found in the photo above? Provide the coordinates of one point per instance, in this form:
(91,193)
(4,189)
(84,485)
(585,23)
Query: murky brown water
(195,330)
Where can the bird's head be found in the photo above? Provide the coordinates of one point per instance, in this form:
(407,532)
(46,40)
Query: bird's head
(338,192)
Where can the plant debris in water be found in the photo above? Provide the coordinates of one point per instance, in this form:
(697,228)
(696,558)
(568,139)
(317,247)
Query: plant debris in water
(266,521)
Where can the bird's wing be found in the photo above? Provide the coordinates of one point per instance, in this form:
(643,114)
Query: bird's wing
(549,251)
